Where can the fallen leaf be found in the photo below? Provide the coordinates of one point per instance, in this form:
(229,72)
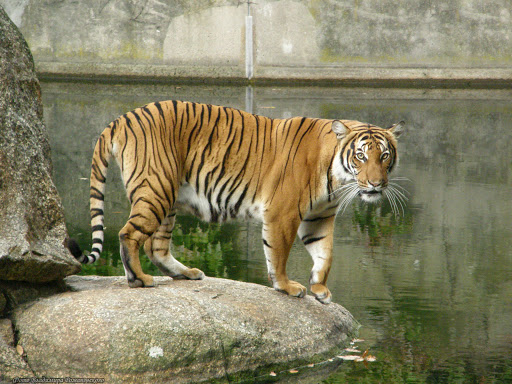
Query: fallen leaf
(357,340)
(311,365)
(293,371)
(20,350)
(354,350)
(273,374)
(349,357)
(371,358)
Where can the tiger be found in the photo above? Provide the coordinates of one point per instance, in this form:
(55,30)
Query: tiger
(221,163)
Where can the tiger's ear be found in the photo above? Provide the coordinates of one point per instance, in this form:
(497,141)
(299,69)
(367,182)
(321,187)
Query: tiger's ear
(340,129)
(397,129)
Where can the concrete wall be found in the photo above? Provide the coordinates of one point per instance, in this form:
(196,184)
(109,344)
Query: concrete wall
(457,40)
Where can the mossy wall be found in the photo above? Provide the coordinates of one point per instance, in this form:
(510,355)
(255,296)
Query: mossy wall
(207,37)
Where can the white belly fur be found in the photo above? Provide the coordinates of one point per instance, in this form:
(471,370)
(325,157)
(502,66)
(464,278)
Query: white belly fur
(190,201)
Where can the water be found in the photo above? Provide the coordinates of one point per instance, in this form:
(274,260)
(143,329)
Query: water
(432,289)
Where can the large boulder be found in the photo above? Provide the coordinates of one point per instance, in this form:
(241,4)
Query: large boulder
(32,227)
(178,332)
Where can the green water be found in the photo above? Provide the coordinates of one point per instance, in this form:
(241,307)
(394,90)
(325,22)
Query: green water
(432,289)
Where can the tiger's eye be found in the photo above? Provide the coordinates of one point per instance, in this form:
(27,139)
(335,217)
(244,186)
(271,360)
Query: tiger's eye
(360,156)
(384,156)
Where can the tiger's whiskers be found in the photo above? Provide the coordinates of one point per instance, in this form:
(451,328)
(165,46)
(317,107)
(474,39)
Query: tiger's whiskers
(397,196)
(348,193)
(395,193)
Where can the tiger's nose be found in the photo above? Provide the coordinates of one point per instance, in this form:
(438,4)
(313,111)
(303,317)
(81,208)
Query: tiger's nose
(377,183)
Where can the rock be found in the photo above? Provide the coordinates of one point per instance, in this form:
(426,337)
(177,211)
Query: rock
(179,331)
(16,293)
(3,304)
(6,331)
(32,227)
(12,364)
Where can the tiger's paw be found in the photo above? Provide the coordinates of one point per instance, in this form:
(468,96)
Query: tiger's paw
(145,281)
(291,288)
(190,274)
(322,293)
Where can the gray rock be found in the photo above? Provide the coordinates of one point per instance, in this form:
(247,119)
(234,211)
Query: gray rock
(32,227)
(6,332)
(16,293)
(179,331)
(3,304)
(12,364)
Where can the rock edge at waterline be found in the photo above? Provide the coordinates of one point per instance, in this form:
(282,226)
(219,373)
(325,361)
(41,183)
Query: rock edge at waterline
(179,331)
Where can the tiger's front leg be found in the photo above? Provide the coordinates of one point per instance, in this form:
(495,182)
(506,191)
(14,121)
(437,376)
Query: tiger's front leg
(278,237)
(317,235)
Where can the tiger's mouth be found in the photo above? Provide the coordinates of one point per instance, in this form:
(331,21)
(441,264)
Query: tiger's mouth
(370,196)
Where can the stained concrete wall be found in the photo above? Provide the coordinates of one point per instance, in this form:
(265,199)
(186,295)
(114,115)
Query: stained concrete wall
(457,40)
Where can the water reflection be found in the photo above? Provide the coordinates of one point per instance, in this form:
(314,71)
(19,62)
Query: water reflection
(432,288)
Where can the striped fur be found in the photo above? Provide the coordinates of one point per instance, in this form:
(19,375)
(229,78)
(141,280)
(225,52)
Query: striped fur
(222,163)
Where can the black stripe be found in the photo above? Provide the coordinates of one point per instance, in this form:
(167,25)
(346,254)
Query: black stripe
(312,240)
(311,125)
(266,244)
(241,199)
(98,174)
(129,125)
(97,212)
(293,141)
(152,208)
(101,144)
(208,178)
(232,191)
(162,187)
(148,112)
(96,194)
(97,241)
(319,218)
(198,124)
(207,147)
(133,192)
(161,111)
(98,227)
(139,229)
(125,258)
(163,237)
(221,191)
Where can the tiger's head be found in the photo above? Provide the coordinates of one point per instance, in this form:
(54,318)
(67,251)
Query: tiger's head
(366,156)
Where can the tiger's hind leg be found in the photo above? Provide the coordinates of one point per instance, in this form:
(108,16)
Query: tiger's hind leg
(144,221)
(157,249)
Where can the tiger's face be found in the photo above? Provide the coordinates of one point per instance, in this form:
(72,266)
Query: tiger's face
(367,154)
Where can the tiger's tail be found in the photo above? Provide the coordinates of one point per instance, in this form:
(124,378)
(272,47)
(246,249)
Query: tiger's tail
(100,161)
